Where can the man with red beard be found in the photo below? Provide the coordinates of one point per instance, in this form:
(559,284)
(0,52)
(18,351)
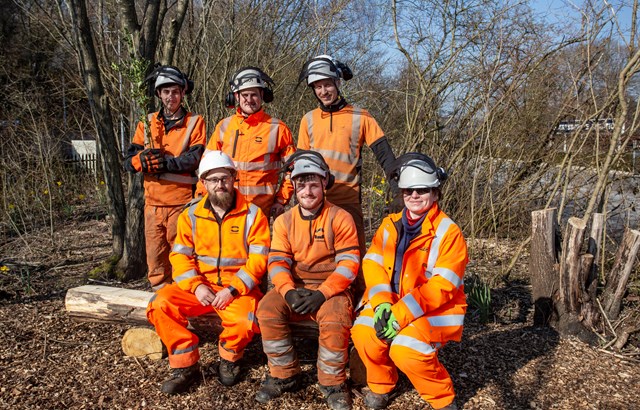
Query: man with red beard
(313,261)
(218,258)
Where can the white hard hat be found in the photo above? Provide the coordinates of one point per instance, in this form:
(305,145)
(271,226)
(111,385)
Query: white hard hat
(416,170)
(249,77)
(215,159)
(170,76)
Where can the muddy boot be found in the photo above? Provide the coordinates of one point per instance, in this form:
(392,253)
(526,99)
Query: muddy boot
(181,379)
(228,372)
(337,397)
(452,406)
(273,387)
(376,401)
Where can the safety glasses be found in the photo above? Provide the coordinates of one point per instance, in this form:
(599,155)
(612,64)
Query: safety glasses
(419,191)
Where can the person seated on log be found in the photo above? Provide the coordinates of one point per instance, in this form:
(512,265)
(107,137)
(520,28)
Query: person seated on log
(218,258)
(414,300)
(313,261)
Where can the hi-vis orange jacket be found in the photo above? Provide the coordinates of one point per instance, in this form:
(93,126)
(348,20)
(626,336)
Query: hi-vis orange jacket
(258,144)
(339,137)
(317,253)
(230,253)
(432,271)
(183,145)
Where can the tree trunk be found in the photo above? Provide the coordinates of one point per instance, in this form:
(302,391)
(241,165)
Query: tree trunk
(100,110)
(543,265)
(133,264)
(619,275)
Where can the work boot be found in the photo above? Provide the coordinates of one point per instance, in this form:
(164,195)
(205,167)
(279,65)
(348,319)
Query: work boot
(228,372)
(376,401)
(181,379)
(337,397)
(452,406)
(273,387)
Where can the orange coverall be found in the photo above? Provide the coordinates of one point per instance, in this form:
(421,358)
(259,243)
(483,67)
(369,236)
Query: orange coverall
(319,254)
(339,137)
(258,144)
(166,193)
(230,252)
(429,305)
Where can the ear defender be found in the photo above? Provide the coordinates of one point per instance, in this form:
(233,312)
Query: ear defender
(246,75)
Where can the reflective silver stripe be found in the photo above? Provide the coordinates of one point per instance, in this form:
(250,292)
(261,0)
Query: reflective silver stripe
(273,259)
(415,344)
(187,136)
(256,190)
(355,131)
(273,138)
(209,260)
(283,348)
(182,249)
(246,279)
(375,257)
(259,250)
(187,350)
(335,155)
(347,257)
(385,239)
(277,269)
(258,166)
(446,320)
(309,117)
(328,355)
(364,320)
(248,224)
(223,127)
(346,272)
(232,261)
(379,289)
(177,178)
(413,305)
(435,245)
(333,370)
(449,275)
(192,217)
(191,273)
(251,317)
(155,295)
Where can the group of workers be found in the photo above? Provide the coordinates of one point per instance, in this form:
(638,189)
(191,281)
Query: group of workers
(212,254)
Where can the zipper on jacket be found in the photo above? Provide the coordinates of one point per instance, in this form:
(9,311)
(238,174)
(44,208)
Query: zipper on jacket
(235,144)
(219,251)
(330,122)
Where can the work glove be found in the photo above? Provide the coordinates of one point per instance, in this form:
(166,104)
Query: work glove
(390,329)
(293,299)
(153,161)
(310,303)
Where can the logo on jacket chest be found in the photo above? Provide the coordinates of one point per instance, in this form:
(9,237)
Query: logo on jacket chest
(258,139)
(318,234)
(235,229)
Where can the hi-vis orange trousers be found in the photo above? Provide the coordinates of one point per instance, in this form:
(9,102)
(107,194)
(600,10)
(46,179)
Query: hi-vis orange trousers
(334,319)
(168,311)
(411,352)
(159,234)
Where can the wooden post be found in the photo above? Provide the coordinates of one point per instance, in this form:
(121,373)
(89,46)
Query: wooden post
(619,275)
(570,286)
(543,264)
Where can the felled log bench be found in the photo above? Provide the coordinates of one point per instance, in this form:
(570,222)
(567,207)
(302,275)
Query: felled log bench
(118,305)
(98,303)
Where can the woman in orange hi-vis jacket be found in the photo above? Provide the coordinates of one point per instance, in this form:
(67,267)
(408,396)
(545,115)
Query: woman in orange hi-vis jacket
(218,258)
(168,160)
(258,143)
(414,300)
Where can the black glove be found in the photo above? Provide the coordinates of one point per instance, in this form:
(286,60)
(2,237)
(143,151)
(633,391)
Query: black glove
(310,303)
(153,161)
(293,299)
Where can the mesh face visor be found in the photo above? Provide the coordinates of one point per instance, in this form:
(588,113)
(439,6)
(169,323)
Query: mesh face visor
(252,78)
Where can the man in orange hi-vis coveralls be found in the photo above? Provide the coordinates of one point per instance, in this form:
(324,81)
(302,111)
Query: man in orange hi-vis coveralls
(168,159)
(414,301)
(257,142)
(219,257)
(338,130)
(314,258)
